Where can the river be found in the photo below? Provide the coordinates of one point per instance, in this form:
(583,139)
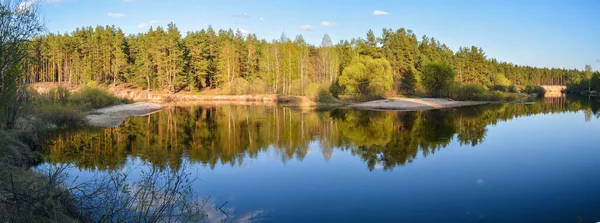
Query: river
(261,163)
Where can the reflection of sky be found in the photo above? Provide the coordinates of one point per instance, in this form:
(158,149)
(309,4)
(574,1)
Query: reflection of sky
(536,168)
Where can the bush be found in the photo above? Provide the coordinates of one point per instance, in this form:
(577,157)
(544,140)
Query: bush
(319,93)
(367,77)
(238,86)
(54,95)
(93,97)
(469,91)
(324,95)
(60,114)
(312,90)
(336,89)
(30,196)
(259,86)
(537,90)
(502,88)
(438,79)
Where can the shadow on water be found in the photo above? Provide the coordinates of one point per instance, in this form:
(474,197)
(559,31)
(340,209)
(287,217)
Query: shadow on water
(229,134)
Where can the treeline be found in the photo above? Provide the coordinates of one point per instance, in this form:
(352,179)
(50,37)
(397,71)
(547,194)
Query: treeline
(236,63)
(231,134)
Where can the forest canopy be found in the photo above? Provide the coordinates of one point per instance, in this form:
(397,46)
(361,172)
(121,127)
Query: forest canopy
(165,60)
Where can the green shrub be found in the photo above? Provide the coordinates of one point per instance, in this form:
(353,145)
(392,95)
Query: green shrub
(336,89)
(259,86)
(93,97)
(312,90)
(438,79)
(537,90)
(502,88)
(497,96)
(239,86)
(324,95)
(367,77)
(319,93)
(54,95)
(469,91)
(60,114)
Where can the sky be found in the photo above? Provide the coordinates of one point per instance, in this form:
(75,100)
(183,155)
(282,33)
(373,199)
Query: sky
(542,33)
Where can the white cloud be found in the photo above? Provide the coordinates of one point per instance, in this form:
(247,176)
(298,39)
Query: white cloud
(326,23)
(243,15)
(262,19)
(25,5)
(243,31)
(152,22)
(116,15)
(380,12)
(307,27)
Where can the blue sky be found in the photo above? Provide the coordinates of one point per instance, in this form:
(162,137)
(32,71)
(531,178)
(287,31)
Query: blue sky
(544,33)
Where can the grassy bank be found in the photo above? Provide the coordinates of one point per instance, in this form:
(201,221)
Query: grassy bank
(473,92)
(32,196)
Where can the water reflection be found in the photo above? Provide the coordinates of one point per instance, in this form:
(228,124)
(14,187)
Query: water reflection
(228,134)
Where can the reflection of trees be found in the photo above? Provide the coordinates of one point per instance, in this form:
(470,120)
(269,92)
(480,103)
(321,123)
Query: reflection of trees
(230,134)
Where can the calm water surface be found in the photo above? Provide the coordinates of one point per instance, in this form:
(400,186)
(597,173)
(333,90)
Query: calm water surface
(494,163)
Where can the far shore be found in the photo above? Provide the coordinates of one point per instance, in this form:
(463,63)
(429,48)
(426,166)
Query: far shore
(150,102)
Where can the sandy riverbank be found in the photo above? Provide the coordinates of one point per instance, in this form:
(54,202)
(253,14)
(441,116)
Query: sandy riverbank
(115,115)
(413,104)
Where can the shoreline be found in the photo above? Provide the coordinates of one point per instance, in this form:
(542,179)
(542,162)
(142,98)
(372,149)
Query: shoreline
(413,104)
(113,116)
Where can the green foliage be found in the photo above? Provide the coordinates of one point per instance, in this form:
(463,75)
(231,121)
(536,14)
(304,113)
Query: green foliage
(55,95)
(410,84)
(474,92)
(258,86)
(60,114)
(319,93)
(537,90)
(93,97)
(162,59)
(9,98)
(238,86)
(366,77)
(312,90)
(335,89)
(64,109)
(469,91)
(438,79)
(500,80)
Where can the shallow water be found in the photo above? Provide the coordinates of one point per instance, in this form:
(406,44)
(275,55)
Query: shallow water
(494,163)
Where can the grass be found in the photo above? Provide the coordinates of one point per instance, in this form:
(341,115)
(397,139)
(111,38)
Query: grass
(44,195)
(61,109)
(93,98)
